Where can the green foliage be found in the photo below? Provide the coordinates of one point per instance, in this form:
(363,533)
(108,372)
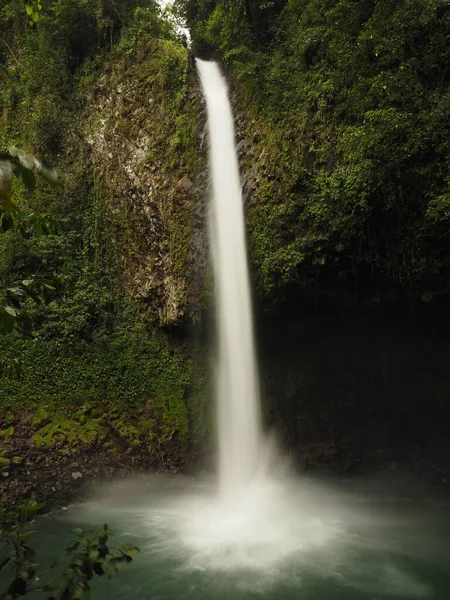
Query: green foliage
(145,22)
(38,288)
(33,9)
(87,350)
(89,556)
(6,433)
(37,88)
(14,543)
(237,28)
(118,373)
(24,166)
(348,104)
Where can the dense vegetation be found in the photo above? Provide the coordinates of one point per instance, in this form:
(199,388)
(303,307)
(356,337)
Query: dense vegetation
(349,102)
(343,108)
(91,346)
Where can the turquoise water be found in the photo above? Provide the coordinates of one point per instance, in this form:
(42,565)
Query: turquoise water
(343,541)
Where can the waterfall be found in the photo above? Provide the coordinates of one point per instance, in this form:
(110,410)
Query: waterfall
(262,533)
(238,409)
(252,521)
(258,521)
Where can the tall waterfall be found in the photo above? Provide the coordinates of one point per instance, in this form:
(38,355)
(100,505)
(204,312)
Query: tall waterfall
(264,534)
(260,524)
(238,411)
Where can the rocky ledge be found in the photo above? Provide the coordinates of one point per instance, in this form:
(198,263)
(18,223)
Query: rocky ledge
(55,459)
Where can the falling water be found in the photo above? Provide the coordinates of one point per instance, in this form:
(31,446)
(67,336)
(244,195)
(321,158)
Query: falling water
(238,394)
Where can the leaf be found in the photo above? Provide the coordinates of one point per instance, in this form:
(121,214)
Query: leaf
(7,433)
(94,555)
(34,296)
(16,291)
(118,562)
(130,550)
(11,311)
(15,302)
(31,506)
(30,552)
(4,562)
(50,175)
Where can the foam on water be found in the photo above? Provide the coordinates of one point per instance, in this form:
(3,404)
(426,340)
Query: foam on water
(291,533)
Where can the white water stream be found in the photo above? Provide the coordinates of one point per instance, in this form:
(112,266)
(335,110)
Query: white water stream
(239,430)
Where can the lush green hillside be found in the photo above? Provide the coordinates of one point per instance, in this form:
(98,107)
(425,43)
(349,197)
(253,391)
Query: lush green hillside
(76,88)
(349,103)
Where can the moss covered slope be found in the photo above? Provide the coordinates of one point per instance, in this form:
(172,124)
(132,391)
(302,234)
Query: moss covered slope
(349,105)
(105,92)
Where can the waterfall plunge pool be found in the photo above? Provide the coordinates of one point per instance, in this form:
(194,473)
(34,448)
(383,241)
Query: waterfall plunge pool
(280,539)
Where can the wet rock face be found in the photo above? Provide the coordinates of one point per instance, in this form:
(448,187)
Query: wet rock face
(248,157)
(154,188)
(356,391)
(152,177)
